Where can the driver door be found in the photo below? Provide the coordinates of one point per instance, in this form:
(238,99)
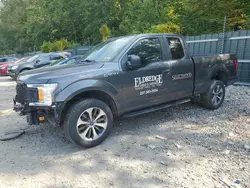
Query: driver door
(141,84)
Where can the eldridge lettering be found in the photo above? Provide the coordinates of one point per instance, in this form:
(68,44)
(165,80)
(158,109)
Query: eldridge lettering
(148,79)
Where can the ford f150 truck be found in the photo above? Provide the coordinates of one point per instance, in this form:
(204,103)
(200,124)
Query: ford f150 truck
(122,77)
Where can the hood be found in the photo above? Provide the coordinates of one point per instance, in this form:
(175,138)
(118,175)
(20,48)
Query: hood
(18,64)
(11,65)
(58,73)
(24,63)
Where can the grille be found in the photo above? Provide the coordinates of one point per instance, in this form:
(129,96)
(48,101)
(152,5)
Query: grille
(21,91)
(25,94)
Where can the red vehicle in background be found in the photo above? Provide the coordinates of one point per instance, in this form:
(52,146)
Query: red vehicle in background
(4,62)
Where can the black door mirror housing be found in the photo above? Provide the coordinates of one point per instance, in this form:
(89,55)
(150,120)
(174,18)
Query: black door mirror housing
(134,61)
(37,61)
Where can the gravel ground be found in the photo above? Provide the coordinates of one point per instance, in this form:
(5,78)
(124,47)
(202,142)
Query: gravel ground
(183,146)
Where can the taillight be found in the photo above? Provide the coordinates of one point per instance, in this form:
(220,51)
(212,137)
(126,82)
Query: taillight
(236,65)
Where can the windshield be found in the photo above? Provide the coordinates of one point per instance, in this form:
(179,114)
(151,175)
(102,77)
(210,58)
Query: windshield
(107,50)
(32,59)
(24,59)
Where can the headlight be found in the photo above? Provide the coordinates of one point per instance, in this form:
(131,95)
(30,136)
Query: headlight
(14,67)
(45,94)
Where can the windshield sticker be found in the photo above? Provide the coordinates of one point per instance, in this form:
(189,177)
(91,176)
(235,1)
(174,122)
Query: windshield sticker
(182,76)
(148,81)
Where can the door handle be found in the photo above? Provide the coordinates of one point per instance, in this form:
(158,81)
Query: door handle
(166,71)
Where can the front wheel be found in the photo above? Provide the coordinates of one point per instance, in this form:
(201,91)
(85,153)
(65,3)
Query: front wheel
(88,122)
(215,95)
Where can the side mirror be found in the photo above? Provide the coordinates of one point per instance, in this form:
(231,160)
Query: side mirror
(134,61)
(37,61)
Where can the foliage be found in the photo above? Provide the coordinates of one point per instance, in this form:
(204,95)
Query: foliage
(166,28)
(105,32)
(73,45)
(47,47)
(26,24)
(59,45)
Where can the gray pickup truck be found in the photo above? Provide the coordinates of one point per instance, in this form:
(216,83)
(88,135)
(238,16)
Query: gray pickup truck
(122,77)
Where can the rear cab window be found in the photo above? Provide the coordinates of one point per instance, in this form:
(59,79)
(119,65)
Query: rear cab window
(176,48)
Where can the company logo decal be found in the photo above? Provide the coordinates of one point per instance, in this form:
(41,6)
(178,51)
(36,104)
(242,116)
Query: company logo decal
(182,76)
(148,81)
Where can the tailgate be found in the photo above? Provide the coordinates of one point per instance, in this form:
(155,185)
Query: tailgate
(231,63)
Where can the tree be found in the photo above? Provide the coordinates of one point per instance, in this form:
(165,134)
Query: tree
(105,32)
(26,24)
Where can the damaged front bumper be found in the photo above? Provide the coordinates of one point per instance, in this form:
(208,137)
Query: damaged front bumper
(40,114)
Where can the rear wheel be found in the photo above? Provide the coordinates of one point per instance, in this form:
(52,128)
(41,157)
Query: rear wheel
(214,97)
(88,122)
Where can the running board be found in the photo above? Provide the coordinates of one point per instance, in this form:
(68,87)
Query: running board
(153,109)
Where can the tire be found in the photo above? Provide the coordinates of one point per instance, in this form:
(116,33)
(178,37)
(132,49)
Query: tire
(80,124)
(215,95)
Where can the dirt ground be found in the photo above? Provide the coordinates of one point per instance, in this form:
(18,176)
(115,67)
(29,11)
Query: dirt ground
(201,146)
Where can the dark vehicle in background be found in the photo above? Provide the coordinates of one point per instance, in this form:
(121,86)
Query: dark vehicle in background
(4,63)
(124,77)
(34,62)
(12,66)
(68,61)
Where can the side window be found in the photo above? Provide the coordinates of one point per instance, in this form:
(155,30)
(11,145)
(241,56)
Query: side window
(43,58)
(70,62)
(176,48)
(55,57)
(149,50)
(3,60)
(11,59)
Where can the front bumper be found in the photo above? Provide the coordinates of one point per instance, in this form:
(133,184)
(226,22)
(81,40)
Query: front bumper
(11,73)
(36,115)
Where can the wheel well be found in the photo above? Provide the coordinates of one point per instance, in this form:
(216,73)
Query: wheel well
(100,95)
(220,75)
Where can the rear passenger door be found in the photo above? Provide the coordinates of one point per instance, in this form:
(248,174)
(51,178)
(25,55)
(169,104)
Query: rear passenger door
(181,69)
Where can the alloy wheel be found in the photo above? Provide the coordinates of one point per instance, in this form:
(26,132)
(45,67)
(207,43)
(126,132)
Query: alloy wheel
(217,95)
(92,123)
